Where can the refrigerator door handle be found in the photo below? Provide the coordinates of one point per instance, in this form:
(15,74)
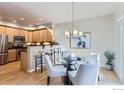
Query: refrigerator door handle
(1,43)
(4,41)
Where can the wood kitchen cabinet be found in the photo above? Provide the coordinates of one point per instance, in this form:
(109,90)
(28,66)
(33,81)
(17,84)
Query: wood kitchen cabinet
(2,30)
(49,36)
(24,61)
(46,36)
(11,55)
(22,33)
(19,32)
(15,32)
(10,33)
(41,37)
(36,36)
(30,36)
(26,36)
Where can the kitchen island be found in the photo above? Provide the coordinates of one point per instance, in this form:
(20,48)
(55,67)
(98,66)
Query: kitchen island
(27,58)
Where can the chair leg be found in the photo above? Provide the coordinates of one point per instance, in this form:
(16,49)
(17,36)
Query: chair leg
(70,83)
(98,78)
(48,80)
(35,64)
(41,64)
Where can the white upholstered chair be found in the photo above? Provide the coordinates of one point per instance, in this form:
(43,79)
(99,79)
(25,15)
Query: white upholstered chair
(54,70)
(87,74)
(94,57)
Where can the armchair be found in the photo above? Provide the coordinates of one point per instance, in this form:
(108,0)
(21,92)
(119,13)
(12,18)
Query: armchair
(87,74)
(54,70)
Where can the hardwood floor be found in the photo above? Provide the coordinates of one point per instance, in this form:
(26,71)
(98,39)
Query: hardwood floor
(11,74)
(108,77)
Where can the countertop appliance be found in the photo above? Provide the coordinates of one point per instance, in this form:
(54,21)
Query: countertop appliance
(3,49)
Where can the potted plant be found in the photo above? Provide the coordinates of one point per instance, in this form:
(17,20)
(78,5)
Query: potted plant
(109,58)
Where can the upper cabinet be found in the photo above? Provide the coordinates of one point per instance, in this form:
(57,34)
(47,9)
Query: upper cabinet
(16,32)
(26,36)
(2,30)
(30,36)
(36,36)
(47,37)
(22,33)
(10,33)
(43,35)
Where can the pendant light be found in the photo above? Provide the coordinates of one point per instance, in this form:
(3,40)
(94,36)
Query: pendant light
(74,33)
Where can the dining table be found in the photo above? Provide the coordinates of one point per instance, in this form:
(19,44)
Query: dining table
(69,68)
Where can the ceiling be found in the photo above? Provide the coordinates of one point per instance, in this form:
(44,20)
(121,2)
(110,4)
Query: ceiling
(55,12)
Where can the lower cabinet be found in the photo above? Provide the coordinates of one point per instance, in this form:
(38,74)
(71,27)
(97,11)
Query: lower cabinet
(11,55)
(24,61)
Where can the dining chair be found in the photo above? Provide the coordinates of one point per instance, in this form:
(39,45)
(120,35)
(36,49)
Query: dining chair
(54,70)
(95,57)
(87,74)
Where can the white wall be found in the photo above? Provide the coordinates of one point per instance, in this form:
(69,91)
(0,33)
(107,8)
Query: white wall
(102,34)
(117,47)
(118,15)
(119,12)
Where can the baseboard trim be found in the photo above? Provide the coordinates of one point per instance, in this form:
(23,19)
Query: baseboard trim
(32,70)
(102,65)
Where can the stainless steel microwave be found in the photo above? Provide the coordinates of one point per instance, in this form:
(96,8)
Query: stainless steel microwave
(19,39)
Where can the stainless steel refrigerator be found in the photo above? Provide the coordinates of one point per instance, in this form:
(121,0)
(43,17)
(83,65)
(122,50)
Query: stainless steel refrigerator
(3,49)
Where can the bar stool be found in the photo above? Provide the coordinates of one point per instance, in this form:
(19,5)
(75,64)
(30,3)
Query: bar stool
(39,62)
(56,54)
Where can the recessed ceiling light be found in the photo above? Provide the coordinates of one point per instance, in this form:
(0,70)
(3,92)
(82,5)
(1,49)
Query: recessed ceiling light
(14,21)
(22,18)
(40,19)
(0,17)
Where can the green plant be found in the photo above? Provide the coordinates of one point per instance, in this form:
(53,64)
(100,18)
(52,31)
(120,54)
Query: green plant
(66,59)
(109,57)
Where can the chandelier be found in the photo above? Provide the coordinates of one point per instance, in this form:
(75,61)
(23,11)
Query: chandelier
(74,33)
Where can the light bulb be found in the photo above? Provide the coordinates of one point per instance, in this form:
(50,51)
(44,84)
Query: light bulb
(75,33)
(80,33)
(66,33)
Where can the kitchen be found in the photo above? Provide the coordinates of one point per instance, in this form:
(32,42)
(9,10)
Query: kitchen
(19,39)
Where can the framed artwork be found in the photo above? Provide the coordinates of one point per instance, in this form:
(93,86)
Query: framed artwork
(83,42)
